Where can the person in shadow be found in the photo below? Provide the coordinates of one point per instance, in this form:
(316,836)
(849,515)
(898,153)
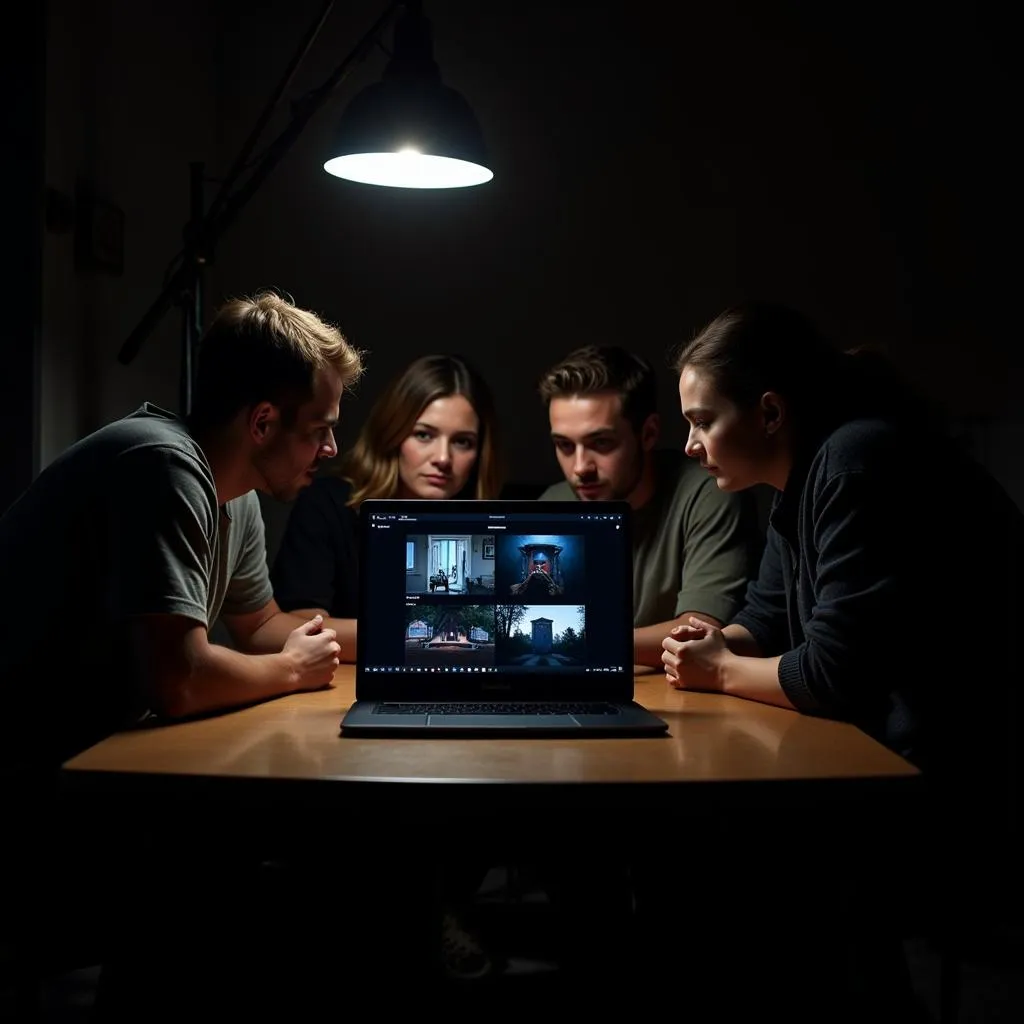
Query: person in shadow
(888,596)
(147,531)
(126,549)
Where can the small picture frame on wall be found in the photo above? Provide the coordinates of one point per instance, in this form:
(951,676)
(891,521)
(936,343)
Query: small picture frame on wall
(488,549)
(99,233)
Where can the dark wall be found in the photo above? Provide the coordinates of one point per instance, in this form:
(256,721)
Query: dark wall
(650,168)
(22,85)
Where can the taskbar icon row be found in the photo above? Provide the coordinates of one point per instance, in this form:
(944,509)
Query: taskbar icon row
(432,668)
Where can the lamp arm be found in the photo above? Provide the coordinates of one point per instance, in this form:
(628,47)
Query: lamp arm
(227,207)
(249,145)
(310,104)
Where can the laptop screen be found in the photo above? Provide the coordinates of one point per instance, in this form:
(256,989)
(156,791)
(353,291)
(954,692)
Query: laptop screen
(483,593)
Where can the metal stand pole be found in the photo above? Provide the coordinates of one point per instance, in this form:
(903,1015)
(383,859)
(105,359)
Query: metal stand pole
(206,227)
(191,295)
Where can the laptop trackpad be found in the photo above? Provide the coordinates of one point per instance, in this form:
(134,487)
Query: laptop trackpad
(505,721)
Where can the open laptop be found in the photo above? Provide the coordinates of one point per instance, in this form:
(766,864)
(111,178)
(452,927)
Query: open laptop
(495,618)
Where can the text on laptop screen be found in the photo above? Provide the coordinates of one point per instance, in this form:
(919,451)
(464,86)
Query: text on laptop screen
(518,593)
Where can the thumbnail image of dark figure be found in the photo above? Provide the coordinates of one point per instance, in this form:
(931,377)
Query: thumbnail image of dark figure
(449,564)
(549,636)
(542,568)
(439,580)
(438,635)
(541,574)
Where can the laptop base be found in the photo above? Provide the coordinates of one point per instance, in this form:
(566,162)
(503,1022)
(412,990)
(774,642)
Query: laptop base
(365,718)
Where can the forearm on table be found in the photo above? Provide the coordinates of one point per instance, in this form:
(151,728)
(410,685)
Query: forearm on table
(214,678)
(344,628)
(741,641)
(647,649)
(753,678)
(272,634)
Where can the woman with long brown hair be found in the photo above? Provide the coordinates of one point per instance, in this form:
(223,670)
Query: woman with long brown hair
(431,434)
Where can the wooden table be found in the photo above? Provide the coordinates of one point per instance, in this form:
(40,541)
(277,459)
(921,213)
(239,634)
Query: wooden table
(718,748)
(366,826)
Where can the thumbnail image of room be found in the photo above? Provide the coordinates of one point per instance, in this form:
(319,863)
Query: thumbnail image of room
(550,636)
(541,567)
(446,635)
(449,564)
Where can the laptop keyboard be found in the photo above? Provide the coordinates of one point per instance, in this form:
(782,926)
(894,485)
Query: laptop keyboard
(510,708)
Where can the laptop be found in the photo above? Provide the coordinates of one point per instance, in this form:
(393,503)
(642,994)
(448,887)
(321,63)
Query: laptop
(485,618)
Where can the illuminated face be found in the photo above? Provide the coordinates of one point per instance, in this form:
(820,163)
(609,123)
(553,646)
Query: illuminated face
(731,444)
(599,451)
(288,460)
(438,456)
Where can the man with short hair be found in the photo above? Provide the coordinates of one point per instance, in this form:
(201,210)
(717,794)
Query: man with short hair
(694,546)
(130,545)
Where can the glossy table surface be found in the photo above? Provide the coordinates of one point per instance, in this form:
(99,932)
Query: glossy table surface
(712,738)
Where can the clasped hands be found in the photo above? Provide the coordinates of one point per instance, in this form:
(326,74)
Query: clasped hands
(694,656)
(313,653)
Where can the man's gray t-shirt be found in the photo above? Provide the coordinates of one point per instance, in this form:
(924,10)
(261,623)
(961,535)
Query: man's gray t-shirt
(694,546)
(124,523)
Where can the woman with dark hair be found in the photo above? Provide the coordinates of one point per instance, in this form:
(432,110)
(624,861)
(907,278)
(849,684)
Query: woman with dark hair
(867,532)
(889,589)
(432,433)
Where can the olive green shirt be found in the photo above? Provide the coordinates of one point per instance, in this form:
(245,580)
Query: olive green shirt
(694,547)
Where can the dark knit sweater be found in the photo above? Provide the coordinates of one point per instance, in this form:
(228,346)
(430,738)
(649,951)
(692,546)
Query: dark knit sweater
(890,586)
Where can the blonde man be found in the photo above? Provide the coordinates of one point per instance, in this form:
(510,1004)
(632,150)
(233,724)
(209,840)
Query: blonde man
(141,535)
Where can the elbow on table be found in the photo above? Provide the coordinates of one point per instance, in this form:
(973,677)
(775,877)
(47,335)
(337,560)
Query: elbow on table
(845,693)
(171,697)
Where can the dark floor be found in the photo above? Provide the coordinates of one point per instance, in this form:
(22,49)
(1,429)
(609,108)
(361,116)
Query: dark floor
(991,993)
(992,980)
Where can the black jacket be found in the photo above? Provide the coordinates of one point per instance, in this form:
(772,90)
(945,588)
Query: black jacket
(890,586)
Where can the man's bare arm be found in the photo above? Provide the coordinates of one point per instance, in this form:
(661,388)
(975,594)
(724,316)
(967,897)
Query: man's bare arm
(181,673)
(266,630)
(344,630)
